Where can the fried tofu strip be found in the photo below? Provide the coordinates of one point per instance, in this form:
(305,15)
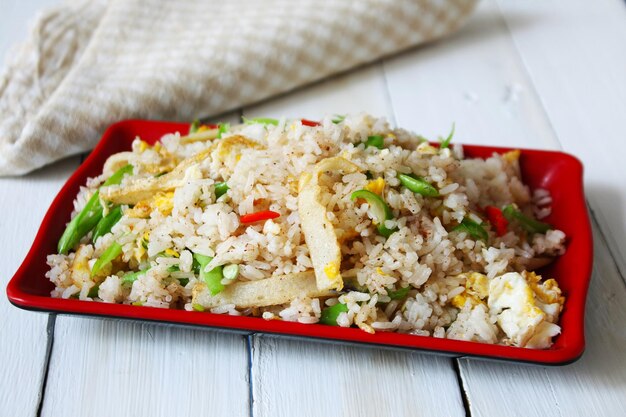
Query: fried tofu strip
(202,136)
(262,293)
(318,231)
(144,188)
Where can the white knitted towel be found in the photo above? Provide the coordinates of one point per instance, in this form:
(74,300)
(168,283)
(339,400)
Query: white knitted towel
(90,63)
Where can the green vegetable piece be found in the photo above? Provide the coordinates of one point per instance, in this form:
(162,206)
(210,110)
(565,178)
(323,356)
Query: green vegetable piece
(445,143)
(231,271)
(131,277)
(212,278)
(197,307)
(220,189)
(338,118)
(89,216)
(377,141)
(93,291)
(105,224)
(173,268)
(261,120)
(193,128)
(137,303)
(222,128)
(81,224)
(418,185)
(329,314)
(399,294)
(379,208)
(473,229)
(107,257)
(183,281)
(118,175)
(528,224)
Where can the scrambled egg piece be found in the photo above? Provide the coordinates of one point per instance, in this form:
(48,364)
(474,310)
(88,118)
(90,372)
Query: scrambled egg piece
(163,201)
(80,269)
(172,252)
(476,290)
(426,148)
(376,186)
(332,270)
(511,156)
(547,295)
(228,150)
(519,313)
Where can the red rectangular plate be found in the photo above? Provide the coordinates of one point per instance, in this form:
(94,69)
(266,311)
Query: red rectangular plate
(558,172)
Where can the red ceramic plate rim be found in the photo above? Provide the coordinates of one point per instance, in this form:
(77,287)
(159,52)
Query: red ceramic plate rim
(28,288)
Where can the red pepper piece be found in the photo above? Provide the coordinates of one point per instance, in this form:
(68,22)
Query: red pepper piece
(311,123)
(258,216)
(497,220)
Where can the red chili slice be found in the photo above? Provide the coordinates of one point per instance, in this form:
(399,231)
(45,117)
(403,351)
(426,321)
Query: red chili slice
(311,123)
(258,216)
(497,220)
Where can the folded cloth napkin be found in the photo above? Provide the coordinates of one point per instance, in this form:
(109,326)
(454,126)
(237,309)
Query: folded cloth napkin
(90,63)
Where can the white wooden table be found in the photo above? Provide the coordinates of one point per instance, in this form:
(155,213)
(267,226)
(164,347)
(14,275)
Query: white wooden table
(542,74)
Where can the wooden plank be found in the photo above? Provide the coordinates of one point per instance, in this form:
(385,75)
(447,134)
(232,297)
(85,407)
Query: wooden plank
(291,378)
(148,369)
(593,386)
(23,202)
(297,377)
(363,90)
(109,368)
(576,58)
(474,79)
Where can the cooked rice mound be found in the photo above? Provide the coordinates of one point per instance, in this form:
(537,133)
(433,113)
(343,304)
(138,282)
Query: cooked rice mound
(289,241)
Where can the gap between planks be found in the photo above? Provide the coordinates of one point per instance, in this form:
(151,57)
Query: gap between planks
(46,368)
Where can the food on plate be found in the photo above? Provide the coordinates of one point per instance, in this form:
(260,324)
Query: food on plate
(343,222)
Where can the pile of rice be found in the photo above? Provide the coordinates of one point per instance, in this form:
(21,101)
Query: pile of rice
(460,287)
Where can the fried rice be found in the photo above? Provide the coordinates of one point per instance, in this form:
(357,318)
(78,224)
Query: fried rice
(344,222)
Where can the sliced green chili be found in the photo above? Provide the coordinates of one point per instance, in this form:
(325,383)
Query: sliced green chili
(131,277)
(93,291)
(220,189)
(222,128)
(399,294)
(118,175)
(528,224)
(231,271)
(418,185)
(475,230)
(212,278)
(377,141)
(81,224)
(380,210)
(105,224)
(107,257)
(89,216)
(329,314)
(445,143)
(197,307)
(193,128)
(261,120)
(338,118)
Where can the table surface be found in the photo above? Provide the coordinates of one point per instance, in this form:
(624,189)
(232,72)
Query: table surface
(549,75)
